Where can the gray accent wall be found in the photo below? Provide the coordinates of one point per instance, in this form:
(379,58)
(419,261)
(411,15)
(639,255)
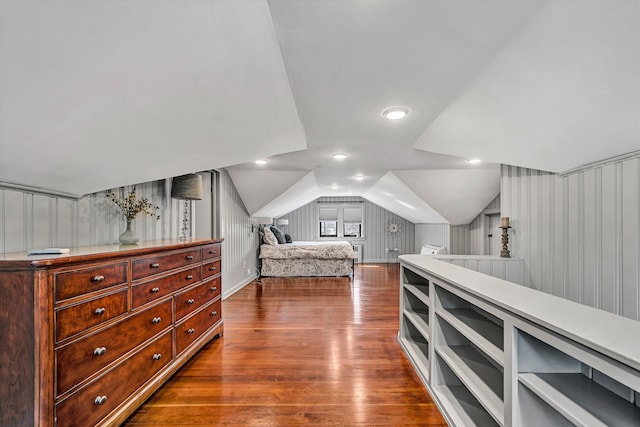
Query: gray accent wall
(303,226)
(579,234)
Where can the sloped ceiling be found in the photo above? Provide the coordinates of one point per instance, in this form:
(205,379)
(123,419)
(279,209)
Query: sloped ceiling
(97,94)
(564,93)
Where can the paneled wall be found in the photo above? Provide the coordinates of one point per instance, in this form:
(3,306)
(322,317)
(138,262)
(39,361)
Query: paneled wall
(578,234)
(460,240)
(240,246)
(303,226)
(432,234)
(31,220)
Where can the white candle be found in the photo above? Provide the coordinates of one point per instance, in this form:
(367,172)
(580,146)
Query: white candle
(504,222)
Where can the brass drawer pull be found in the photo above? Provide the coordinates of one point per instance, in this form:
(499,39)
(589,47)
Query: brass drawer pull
(155,265)
(154,290)
(189,277)
(212,268)
(99,351)
(214,288)
(214,313)
(100,310)
(190,330)
(100,400)
(156,320)
(99,278)
(189,257)
(157,356)
(190,301)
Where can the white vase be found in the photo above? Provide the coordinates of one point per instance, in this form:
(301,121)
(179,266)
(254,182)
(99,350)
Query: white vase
(129,237)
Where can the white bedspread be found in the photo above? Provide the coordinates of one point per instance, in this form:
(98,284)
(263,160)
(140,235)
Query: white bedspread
(308,250)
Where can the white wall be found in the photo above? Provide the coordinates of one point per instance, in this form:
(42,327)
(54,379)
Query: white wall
(240,245)
(31,220)
(303,226)
(578,234)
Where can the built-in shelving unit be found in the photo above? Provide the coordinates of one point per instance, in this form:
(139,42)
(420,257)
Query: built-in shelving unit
(493,353)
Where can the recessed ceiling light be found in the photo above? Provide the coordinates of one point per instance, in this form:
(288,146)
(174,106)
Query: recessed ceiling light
(261,161)
(340,156)
(474,161)
(395,113)
(335,186)
(359,177)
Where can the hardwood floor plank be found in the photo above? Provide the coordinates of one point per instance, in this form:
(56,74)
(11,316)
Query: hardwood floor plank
(301,351)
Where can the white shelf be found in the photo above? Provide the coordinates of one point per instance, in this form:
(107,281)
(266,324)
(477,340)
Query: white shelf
(419,323)
(483,380)
(419,293)
(464,409)
(482,332)
(582,401)
(418,353)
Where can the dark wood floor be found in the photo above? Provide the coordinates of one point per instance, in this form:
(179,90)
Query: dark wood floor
(301,351)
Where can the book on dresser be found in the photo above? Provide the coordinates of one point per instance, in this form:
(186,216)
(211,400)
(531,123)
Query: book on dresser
(88,337)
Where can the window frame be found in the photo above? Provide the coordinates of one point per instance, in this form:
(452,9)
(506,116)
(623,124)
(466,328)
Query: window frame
(340,235)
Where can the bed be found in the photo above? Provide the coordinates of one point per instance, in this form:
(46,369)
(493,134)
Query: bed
(333,258)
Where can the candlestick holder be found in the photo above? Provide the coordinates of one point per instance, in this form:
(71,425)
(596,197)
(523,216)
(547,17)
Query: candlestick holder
(504,253)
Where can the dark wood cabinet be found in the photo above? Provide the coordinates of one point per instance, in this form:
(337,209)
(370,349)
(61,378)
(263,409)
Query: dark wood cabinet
(87,337)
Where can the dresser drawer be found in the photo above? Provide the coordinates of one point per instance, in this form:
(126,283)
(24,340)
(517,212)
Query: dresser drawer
(189,330)
(79,360)
(76,318)
(149,291)
(211,268)
(92,403)
(145,267)
(212,251)
(78,282)
(189,301)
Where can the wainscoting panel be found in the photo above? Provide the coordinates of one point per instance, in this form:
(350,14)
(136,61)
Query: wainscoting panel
(579,234)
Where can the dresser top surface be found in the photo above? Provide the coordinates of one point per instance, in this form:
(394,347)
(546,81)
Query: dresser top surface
(96,253)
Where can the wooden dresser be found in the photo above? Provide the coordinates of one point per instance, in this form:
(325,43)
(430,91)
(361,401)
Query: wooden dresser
(87,337)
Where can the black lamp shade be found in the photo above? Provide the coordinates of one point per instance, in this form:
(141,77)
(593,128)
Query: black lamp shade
(188,187)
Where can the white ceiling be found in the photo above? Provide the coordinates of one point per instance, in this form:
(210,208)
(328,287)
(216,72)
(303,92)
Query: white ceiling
(97,94)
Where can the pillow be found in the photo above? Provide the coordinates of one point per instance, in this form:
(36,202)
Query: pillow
(278,234)
(268,237)
(288,238)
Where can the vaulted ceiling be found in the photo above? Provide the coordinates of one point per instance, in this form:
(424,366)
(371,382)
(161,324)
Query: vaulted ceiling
(98,94)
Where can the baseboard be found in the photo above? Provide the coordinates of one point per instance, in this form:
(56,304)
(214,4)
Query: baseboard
(237,287)
(380,261)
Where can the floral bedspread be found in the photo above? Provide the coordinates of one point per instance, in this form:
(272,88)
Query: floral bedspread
(308,250)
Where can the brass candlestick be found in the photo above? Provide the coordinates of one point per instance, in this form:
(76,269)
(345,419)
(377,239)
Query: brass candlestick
(504,253)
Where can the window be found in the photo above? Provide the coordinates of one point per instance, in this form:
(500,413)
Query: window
(341,221)
(352,222)
(328,222)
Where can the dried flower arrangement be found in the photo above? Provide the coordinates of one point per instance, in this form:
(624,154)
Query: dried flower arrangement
(131,206)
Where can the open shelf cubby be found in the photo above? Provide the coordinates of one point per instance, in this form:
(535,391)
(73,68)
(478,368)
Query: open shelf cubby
(415,338)
(480,327)
(416,308)
(482,376)
(460,404)
(562,390)
(415,281)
